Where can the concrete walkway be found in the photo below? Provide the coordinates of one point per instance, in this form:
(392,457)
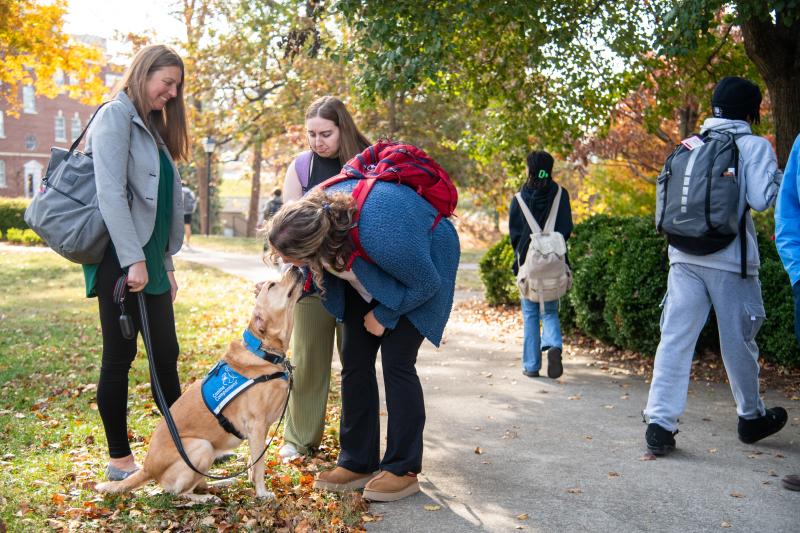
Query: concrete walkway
(504,452)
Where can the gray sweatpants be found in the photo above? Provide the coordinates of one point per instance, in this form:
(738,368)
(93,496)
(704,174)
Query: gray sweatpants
(691,291)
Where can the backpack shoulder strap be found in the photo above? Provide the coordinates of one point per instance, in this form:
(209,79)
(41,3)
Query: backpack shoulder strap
(527,213)
(550,223)
(302,166)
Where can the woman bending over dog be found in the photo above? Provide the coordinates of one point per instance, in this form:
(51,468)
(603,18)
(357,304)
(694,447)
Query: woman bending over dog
(391,303)
(134,142)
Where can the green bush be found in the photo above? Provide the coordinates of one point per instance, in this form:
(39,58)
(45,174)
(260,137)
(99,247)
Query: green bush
(11,212)
(23,236)
(620,269)
(497,274)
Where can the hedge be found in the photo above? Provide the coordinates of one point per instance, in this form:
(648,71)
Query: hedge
(11,213)
(620,271)
(23,236)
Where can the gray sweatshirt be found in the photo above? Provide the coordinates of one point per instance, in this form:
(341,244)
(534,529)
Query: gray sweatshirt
(759,182)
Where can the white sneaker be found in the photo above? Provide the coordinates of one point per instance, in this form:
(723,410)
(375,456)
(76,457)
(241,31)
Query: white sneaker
(288,453)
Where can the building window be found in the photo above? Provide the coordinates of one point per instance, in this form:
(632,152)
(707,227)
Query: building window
(76,126)
(61,129)
(30,142)
(112,79)
(28,99)
(3,174)
(58,77)
(2,125)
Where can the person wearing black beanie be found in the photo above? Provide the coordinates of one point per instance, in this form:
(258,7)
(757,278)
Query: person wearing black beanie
(539,193)
(725,280)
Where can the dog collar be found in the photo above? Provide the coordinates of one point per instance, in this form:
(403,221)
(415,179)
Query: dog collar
(253,345)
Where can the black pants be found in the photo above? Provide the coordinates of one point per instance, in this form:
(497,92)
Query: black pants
(360,426)
(118,352)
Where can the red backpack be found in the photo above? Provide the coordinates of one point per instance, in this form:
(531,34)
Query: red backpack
(400,163)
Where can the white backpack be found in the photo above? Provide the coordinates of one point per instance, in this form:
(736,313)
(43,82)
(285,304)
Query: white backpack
(544,276)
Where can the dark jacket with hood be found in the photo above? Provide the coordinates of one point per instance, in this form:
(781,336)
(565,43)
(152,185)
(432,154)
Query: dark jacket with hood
(539,202)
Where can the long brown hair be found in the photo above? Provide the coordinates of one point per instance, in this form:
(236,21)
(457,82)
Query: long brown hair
(314,230)
(169,122)
(351,141)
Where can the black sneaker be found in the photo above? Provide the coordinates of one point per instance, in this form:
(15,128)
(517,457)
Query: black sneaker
(534,374)
(659,440)
(751,431)
(554,366)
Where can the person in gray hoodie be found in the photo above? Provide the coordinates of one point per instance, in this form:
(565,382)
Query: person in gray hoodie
(698,282)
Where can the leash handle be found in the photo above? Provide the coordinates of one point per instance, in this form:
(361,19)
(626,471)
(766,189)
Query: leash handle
(161,401)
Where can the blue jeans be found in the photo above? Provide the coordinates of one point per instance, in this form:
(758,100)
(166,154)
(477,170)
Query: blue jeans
(533,341)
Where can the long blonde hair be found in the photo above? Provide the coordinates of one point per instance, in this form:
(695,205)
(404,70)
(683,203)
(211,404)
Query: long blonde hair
(351,140)
(314,230)
(169,122)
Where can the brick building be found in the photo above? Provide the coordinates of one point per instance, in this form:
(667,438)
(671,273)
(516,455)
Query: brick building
(25,141)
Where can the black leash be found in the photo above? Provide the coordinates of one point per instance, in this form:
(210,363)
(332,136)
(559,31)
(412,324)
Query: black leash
(161,401)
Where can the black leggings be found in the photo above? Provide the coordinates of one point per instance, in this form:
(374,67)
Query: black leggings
(360,425)
(118,352)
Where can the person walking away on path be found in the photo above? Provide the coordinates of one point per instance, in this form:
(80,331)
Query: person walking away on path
(697,282)
(333,139)
(189,206)
(134,141)
(787,239)
(539,193)
(273,205)
(392,303)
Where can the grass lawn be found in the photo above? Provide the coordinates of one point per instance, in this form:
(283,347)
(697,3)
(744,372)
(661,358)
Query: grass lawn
(52,442)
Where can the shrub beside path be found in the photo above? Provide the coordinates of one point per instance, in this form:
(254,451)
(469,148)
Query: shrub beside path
(504,452)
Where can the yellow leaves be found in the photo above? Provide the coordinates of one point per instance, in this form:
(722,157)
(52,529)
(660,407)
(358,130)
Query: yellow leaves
(34,47)
(432,507)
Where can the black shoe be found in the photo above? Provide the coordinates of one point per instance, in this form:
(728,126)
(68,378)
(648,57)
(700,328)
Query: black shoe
(554,366)
(659,440)
(534,374)
(791,482)
(751,431)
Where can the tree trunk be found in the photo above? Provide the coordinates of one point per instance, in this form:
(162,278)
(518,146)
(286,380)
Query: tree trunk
(392,116)
(688,116)
(775,50)
(255,191)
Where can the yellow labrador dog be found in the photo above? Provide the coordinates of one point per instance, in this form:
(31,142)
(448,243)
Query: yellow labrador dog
(257,356)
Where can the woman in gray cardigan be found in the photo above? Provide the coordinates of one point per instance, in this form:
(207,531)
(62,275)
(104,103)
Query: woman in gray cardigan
(134,141)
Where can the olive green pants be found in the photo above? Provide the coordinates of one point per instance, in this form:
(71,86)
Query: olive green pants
(311,350)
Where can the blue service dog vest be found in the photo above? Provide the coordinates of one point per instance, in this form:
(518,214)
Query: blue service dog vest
(222,384)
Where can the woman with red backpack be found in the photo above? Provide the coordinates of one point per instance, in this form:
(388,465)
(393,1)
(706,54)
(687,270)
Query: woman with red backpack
(396,292)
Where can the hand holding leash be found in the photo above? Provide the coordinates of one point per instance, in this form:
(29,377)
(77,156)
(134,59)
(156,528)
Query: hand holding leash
(137,276)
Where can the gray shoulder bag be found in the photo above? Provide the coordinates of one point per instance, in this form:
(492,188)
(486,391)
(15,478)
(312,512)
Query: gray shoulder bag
(64,212)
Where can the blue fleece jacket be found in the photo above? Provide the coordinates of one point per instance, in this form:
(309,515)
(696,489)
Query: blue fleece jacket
(414,269)
(787,216)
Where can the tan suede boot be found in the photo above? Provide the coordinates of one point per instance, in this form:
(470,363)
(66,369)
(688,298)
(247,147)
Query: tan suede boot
(341,480)
(388,487)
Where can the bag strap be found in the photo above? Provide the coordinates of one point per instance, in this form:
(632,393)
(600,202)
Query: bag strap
(77,141)
(550,223)
(302,166)
(527,213)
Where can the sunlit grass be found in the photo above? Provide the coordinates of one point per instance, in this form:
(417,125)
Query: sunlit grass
(52,445)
